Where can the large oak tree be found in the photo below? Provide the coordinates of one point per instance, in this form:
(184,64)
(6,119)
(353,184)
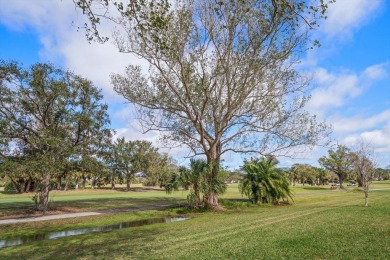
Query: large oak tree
(48,116)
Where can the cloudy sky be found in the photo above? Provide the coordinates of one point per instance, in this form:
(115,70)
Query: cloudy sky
(351,70)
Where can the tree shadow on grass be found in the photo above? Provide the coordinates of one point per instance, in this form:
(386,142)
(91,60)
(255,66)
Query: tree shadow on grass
(134,189)
(103,205)
(11,208)
(315,188)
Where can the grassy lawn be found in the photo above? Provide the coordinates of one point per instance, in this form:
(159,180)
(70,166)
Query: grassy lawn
(321,224)
(380,185)
(89,200)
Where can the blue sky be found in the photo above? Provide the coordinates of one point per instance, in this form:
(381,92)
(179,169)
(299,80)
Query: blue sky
(351,70)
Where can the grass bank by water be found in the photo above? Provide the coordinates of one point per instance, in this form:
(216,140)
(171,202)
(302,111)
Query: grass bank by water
(321,224)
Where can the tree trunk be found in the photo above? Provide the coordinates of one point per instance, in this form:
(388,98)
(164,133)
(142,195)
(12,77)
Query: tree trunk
(59,182)
(43,201)
(360,182)
(128,184)
(341,183)
(366,189)
(84,182)
(198,202)
(76,187)
(212,200)
(16,186)
(66,183)
(366,198)
(255,192)
(28,185)
(213,161)
(112,181)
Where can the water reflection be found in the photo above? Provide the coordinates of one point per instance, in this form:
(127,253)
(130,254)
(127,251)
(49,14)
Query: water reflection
(75,232)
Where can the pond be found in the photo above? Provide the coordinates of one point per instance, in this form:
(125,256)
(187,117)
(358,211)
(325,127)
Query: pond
(75,232)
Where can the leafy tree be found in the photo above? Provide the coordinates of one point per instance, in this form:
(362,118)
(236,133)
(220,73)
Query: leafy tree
(263,182)
(131,157)
(382,174)
(304,172)
(108,155)
(294,174)
(90,167)
(323,176)
(123,157)
(49,115)
(160,167)
(222,74)
(338,162)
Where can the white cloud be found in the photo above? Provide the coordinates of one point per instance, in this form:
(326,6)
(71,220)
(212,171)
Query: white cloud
(342,124)
(124,114)
(307,157)
(23,14)
(378,139)
(376,71)
(345,16)
(63,44)
(334,90)
(132,132)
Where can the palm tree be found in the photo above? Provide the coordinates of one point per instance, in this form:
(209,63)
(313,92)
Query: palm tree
(194,180)
(263,182)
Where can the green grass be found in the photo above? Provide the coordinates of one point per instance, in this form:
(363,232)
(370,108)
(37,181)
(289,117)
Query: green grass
(321,224)
(88,200)
(380,185)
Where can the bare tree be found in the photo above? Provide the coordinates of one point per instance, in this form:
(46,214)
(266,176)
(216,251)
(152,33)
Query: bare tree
(222,75)
(364,165)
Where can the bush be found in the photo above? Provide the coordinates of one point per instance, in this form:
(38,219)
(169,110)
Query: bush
(8,186)
(235,204)
(149,182)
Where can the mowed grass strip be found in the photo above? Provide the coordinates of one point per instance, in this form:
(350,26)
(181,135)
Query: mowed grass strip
(316,227)
(249,223)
